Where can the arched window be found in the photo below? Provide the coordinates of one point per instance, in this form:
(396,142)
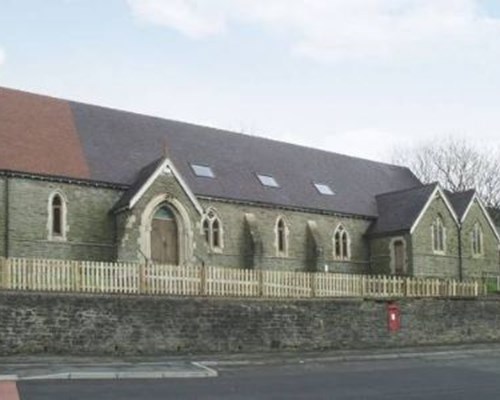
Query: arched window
(215,233)
(438,235)
(338,246)
(57,217)
(206,230)
(341,244)
(57,228)
(477,240)
(345,246)
(212,230)
(281,237)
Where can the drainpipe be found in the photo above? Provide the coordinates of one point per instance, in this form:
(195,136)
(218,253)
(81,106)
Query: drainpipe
(7,218)
(370,266)
(115,215)
(460,261)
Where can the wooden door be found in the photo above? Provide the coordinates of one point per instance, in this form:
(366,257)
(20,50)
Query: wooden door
(164,237)
(399,257)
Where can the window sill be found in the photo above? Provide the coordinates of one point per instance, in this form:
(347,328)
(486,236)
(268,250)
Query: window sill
(56,239)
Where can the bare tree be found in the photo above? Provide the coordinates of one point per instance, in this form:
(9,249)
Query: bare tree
(457,164)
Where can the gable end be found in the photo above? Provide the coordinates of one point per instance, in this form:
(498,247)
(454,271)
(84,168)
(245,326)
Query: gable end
(438,192)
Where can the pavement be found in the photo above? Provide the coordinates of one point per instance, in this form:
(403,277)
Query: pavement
(43,367)
(49,368)
(445,373)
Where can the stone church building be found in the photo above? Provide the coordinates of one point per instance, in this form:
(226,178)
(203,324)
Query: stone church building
(83,182)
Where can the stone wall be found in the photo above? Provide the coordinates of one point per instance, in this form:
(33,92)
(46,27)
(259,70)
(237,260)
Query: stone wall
(236,236)
(68,324)
(297,257)
(382,254)
(131,235)
(425,261)
(488,262)
(94,233)
(89,228)
(2,216)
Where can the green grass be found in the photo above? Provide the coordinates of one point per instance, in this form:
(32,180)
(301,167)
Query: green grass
(491,286)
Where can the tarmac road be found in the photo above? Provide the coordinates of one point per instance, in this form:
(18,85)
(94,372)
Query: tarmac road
(430,376)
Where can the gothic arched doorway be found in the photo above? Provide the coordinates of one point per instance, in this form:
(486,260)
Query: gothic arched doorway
(164,237)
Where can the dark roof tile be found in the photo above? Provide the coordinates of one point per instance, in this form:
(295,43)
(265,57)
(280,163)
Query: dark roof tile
(460,201)
(116,145)
(398,211)
(141,179)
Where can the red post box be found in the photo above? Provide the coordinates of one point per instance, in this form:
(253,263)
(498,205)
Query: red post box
(393,317)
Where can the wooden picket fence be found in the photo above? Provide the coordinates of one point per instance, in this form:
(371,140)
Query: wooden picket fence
(131,278)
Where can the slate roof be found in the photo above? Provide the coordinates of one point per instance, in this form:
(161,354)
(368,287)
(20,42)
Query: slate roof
(398,211)
(495,216)
(141,179)
(460,201)
(64,138)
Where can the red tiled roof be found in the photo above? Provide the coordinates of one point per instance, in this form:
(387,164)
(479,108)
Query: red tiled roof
(39,136)
(42,135)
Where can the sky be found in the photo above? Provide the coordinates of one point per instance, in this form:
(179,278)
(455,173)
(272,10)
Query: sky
(360,77)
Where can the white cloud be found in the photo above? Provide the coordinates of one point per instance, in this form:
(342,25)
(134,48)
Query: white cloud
(195,19)
(337,29)
(2,56)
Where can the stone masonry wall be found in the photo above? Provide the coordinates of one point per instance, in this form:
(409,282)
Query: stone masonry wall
(232,217)
(425,261)
(476,265)
(90,228)
(129,222)
(93,233)
(235,236)
(2,217)
(382,254)
(68,324)
(96,234)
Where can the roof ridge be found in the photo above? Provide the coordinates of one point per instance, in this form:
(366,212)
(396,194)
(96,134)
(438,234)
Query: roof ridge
(221,130)
(407,190)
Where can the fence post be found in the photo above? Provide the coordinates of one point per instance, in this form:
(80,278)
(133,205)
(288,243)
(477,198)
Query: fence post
(3,273)
(78,276)
(142,278)
(203,280)
(7,279)
(362,286)
(260,276)
(313,284)
(73,276)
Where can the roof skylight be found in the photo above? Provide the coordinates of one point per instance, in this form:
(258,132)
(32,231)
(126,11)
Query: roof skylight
(323,188)
(268,180)
(203,171)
